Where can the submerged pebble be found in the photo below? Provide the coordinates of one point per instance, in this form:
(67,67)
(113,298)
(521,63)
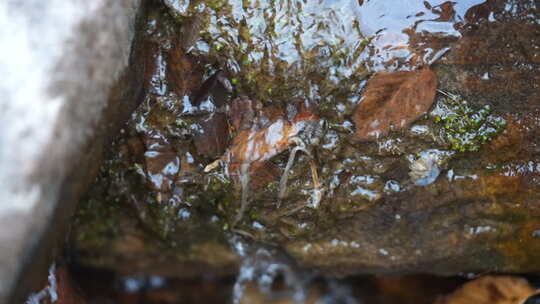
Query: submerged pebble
(427,166)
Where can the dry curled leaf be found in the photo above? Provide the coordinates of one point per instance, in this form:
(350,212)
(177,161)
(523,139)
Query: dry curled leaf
(394,100)
(491,290)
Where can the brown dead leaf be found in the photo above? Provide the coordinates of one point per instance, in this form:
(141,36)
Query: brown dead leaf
(394,100)
(213,137)
(263,132)
(253,146)
(135,148)
(162,163)
(183,73)
(491,290)
(217,87)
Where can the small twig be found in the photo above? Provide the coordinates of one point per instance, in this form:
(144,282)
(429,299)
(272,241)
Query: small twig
(317,189)
(243,232)
(285,176)
(314,175)
(244,182)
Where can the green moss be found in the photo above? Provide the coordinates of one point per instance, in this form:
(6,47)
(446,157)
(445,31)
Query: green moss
(253,215)
(272,52)
(163,218)
(96,223)
(465,128)
(216,4)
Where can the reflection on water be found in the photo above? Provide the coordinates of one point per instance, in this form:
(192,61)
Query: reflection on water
(283,49)
(316,49)
(263,264)
(397,26)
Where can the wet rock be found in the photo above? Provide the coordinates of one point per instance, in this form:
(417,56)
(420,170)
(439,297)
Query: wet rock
(365,211)
(517,141)
(164,240)
(151,210)
(501,44)
(72,86)
(393,101)
(456,216)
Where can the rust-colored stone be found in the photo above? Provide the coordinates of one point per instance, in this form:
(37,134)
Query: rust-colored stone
(496,186)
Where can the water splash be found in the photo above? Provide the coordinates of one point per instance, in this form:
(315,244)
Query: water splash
(406,34)
(263,264)
(48,293)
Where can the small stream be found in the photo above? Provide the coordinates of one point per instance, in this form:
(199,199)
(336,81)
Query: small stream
(318,151)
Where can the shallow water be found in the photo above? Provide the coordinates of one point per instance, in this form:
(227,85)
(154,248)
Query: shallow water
(456,191)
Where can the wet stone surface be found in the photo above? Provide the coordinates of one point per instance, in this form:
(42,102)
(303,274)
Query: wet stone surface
(264,142)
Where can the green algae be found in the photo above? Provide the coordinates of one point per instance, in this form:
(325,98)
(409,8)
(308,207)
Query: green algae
(96,223)
(464,128)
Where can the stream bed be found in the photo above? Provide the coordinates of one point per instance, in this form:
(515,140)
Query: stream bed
(333,151)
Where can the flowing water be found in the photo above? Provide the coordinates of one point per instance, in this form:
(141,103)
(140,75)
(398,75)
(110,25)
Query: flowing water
(205,183)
